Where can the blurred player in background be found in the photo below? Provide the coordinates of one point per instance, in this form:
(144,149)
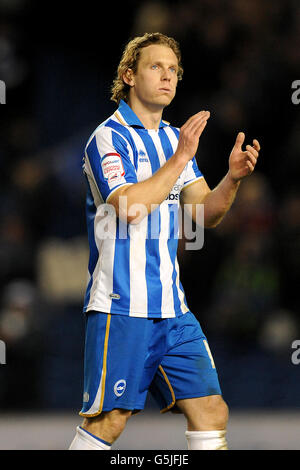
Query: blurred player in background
(140,333)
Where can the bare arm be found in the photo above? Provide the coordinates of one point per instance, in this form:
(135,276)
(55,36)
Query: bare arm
(134,202)
(218,201)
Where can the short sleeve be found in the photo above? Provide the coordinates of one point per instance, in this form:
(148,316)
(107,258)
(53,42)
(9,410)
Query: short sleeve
(192,172)
(107,161)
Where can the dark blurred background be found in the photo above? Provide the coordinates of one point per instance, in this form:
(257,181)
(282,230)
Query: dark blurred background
(58,60)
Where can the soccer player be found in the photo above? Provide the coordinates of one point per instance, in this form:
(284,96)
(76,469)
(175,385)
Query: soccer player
(140,333)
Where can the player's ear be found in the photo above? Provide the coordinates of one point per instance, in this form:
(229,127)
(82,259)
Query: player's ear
(128,77)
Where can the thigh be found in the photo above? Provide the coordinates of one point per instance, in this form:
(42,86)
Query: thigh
(187,369)
(115,375)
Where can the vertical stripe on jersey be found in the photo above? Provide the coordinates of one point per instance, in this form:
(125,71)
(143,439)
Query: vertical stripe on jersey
(118,141)
(94,254)
(138,283)
(153,262)
(121,272)
(127,135)
(94,159)
(166,144)
(103,285)
(150,149)
(158,146)
(172,249)
(195,168)
(179,297)
(172,134)
(166,268)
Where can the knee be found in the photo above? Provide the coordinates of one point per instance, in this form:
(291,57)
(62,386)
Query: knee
(206,413)
(217,411)
(116,420)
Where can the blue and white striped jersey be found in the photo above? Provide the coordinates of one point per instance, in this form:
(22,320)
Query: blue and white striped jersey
(136,274)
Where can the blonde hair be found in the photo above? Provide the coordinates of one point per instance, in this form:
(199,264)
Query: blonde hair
(130,58)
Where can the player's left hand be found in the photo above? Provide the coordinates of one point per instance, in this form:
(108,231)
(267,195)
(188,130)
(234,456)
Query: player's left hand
(242,163)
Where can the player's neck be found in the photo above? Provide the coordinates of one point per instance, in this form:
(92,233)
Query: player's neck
(149,115)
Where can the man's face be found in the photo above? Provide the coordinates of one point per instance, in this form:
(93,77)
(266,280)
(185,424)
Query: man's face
(154,83)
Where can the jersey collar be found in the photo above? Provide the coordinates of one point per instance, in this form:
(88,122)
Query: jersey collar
(128,117)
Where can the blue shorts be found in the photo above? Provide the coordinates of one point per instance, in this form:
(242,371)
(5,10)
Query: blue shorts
(125,357)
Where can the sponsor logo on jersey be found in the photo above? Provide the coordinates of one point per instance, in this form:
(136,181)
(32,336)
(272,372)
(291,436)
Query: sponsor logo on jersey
(120,387)
(143,156)
(112,167)
(175,193)
(172,197)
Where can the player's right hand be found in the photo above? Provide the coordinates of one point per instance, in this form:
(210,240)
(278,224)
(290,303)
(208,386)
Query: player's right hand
(190,134)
